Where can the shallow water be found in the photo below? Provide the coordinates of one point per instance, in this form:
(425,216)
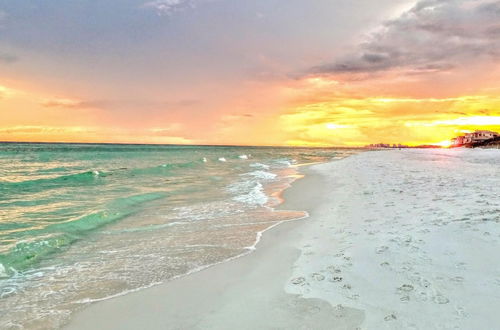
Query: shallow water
(80,223)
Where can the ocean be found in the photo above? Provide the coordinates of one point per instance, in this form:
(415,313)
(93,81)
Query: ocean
(81,223)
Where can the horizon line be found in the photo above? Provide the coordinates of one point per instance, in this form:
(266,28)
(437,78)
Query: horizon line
(180,145)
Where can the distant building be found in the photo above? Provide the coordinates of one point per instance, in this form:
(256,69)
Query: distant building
(472,138)
(458,141)
(386,145)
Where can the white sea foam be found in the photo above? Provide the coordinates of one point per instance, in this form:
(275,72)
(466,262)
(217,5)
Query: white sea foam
(260,165)
(285,162)
(3,271)
(143,228)
(262,175)
(206,211)
(260,233)
(204,160)
(95,173)
(256,196)
(243,156)
(222,159)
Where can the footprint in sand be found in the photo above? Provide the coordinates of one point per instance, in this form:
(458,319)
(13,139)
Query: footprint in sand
(385,264)
(414,249)
(424,283)
(336,279)
(381,249)
(440,299)
(339,311)
(318,276)
(390,317)
(334,270)
(299,281)
(460,312)
(405,288)
(407,267)
(457,279)
(422,296)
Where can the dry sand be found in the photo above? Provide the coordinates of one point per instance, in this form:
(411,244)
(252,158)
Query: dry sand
(405,239)
(411,237)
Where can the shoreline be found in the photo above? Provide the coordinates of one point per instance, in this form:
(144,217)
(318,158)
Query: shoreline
(175,304)
(390,243)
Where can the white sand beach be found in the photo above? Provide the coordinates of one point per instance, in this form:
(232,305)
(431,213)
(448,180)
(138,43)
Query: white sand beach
(396,239)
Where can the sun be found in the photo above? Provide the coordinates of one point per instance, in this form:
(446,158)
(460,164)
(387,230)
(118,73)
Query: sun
(444,144)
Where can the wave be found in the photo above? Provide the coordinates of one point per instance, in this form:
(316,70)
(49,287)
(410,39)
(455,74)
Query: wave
(256,196)
(163,168)
(91,177)
(56,237)
(31,186)
(260,165)
(262,175)
(76,178)
(286,163)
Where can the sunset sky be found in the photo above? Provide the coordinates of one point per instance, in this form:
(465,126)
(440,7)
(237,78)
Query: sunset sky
(250,72)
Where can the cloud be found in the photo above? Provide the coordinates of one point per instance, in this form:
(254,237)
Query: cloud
(433,36)
(380,119)
(65,103)
(118,104)
(167,7)
(461,121)
(8,58)
(236,116)
(87,134)
(337,126)
(166,130)
(35,129)
(6,92)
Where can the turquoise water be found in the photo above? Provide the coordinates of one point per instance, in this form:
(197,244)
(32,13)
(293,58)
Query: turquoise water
(81,223)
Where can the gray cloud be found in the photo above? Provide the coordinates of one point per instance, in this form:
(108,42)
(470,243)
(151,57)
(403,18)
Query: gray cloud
(435,35)
(8,58)
(167,7)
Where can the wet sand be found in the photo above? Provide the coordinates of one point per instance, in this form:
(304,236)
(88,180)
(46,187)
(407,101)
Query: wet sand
(396,239)
(244,293)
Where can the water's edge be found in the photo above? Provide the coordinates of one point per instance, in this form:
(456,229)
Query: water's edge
(282,206)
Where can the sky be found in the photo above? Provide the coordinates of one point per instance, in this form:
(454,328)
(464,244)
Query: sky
(248,72)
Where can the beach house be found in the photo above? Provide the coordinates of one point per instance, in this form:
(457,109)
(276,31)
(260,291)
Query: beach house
(474,137)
